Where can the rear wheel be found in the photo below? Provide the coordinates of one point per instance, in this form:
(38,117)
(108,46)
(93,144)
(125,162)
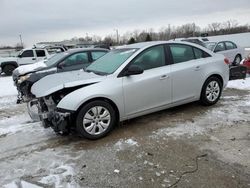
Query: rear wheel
(8,69)
(96,119)
(211,91)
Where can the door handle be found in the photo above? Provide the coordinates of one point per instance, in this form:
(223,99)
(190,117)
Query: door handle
(34,58)
(163,77)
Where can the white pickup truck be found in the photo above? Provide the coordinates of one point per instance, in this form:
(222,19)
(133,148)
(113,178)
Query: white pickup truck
(25,57)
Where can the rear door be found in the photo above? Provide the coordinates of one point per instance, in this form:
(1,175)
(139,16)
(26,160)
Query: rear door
(231,51)
(40,55)
(186,71)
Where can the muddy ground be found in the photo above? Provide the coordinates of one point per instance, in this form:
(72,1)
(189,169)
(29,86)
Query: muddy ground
(186,146)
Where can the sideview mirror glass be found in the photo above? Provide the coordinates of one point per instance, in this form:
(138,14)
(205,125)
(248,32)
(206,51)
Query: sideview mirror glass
(134,70)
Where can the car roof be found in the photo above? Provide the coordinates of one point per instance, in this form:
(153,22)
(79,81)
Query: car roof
(143,45)
(86,50)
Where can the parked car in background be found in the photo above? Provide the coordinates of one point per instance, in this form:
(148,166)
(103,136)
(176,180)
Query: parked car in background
(62,62)
(74,59)
(229,49)
(27,56)
(196,40)
(128,82)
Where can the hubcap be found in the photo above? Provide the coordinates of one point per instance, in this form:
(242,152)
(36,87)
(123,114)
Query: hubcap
(213,91)
(96,120)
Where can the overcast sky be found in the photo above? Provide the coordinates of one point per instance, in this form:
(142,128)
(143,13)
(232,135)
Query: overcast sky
(55,20)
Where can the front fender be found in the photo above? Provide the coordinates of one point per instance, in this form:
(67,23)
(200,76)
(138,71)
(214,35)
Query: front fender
(75,99)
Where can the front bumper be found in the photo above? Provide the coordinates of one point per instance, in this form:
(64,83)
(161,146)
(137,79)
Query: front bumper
(59,121)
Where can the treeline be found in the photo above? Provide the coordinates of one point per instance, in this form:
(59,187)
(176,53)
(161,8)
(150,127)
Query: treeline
(170,32)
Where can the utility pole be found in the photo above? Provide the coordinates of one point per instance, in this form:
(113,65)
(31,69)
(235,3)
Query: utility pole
(117,35)
(21,40)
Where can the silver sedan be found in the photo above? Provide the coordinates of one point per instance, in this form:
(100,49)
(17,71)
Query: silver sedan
(128,82)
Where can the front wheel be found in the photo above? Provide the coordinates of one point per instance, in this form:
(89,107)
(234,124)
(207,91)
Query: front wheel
(95,119)
(211,91)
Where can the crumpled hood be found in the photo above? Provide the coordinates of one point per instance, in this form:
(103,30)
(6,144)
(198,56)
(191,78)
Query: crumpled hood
(58,81)
(24,69)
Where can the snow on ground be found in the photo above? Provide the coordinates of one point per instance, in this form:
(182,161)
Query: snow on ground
(212,118)
(239,84)
(125,144)
(7,87)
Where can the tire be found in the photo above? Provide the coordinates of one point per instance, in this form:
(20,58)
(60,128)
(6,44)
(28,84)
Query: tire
(237,59)
(211,91)
(95,125)
(33,110)
(8,69)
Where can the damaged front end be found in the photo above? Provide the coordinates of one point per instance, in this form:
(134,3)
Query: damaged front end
(52,117)
(60,120)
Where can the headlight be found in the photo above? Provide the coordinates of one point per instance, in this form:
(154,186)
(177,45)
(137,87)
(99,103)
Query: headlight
(23,78)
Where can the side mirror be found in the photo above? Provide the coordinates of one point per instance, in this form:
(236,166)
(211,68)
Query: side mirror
(19,56)
(60,65)
(134,70)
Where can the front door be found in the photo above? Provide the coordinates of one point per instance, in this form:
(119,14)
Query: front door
(27,57)
(152,88)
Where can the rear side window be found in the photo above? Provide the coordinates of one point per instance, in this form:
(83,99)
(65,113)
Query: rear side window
(220,47)
(96,55)
(181,53)
(40,53)
(200,53)
(27,53)
(230,45)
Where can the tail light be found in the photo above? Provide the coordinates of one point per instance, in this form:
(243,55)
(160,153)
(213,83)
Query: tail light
(226,61)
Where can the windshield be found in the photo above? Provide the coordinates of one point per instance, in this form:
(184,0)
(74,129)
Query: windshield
(54,59)
(111,61)
(210,45)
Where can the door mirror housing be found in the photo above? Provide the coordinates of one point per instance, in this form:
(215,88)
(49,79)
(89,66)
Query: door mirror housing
(60,65)
(134,70)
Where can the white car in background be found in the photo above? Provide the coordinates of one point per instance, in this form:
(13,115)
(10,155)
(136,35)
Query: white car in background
(229,49)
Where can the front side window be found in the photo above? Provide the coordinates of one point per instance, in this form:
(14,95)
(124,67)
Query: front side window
(27,53)
(111,61)
(230,45)
(96,55)
(151,58)
(76,59)
(220,47)
(40,53)
(181,53)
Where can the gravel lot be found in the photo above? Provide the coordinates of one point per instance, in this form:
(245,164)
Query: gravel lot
(187,146)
